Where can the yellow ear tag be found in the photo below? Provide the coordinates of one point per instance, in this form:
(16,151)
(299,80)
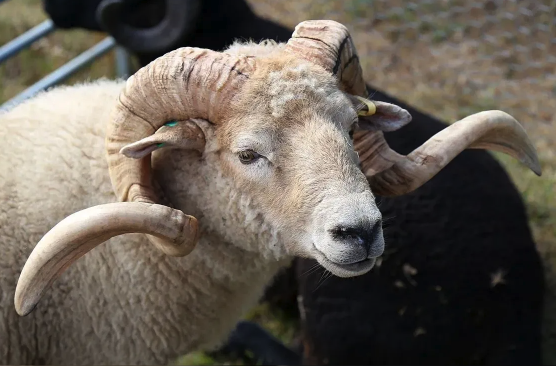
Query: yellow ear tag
(370,106)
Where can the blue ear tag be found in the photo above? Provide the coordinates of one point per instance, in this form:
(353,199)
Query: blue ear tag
(160,145)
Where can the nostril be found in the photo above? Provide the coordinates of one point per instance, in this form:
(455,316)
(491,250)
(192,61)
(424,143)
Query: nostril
(362,235)
(343,233)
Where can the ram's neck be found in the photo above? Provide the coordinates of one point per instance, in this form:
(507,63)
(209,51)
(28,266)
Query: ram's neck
(221,284)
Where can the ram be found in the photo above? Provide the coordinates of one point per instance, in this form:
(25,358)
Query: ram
(143,292)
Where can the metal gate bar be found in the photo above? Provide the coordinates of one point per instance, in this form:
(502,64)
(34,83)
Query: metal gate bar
(26,39)
(63,72)
(10,49)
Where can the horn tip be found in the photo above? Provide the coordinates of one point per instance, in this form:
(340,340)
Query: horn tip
(531,161)
(536,168)
(406,116)
(24,307)
(192,231)
(185,243)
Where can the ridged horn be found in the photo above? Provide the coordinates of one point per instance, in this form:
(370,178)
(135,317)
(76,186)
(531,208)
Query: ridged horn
(79,233)
(328,43)
(492,130)
(183,84)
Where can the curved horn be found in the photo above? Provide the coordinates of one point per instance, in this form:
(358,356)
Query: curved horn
(328,44)
(179,20)
(493,130)
(79,233)
(184,84)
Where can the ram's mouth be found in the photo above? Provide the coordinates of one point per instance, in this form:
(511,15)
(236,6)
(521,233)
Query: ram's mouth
(345,270)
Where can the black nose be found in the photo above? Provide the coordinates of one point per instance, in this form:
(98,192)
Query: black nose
(363,235)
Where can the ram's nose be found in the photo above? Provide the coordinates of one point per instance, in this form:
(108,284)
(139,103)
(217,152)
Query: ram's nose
(362,241)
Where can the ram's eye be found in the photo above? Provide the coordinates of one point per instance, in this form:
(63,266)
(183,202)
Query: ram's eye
(248,156)
(351,133)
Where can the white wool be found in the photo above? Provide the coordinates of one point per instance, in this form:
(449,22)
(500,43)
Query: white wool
(124,302)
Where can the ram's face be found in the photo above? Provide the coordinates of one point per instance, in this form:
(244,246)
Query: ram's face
(292,153)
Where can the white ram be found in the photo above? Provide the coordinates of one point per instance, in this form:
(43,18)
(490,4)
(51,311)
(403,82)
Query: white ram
(253,142)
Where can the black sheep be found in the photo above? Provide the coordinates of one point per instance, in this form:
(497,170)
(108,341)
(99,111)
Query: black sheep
(461,281)
(138,25)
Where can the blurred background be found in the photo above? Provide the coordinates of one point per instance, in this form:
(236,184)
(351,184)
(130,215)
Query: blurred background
(448,58)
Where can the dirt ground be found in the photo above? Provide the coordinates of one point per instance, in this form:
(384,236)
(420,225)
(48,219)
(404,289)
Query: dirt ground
(449,58)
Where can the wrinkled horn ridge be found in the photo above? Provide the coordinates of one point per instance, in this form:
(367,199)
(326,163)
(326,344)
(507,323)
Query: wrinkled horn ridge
(328,44)
(183,84)
(79,233)
(493,130)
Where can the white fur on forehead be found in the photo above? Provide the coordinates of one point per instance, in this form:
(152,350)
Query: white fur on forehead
(292,84)
(250,48)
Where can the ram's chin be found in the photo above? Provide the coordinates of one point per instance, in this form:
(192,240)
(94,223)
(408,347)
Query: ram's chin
(346,270)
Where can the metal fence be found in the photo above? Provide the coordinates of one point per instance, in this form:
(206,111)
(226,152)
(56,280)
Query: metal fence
(64,72)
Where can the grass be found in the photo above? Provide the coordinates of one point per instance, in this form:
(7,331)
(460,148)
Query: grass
(428,53)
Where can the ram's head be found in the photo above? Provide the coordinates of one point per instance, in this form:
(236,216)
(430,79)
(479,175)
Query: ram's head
(284,125)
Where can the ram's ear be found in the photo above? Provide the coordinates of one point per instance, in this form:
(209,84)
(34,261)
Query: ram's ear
(382,116)
(176,134)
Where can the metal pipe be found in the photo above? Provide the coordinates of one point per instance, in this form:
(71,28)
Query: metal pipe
(17,44)
(123,63)
(63,72)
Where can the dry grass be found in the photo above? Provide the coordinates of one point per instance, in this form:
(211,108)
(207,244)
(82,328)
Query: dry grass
(430,55)
(45,55)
